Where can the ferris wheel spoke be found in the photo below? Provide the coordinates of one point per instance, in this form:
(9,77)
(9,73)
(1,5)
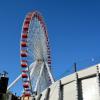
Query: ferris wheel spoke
(49,72)
(38,79)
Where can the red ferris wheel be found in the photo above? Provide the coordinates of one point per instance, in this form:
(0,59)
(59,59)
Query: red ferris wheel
(34,55)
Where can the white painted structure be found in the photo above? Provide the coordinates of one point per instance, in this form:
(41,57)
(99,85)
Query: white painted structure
(35,56)
(82,85)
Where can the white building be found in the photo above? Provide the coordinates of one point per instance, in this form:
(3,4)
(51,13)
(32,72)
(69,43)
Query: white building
(82,85)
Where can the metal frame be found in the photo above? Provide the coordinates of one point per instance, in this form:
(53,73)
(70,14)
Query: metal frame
(35,55)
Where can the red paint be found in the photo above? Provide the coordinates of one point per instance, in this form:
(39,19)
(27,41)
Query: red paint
(27,94)
(23,54)
(24,65)
(26,85)
(24,44)
(24,75)
(24,35)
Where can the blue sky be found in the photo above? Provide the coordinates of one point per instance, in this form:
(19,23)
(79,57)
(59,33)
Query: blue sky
(73,27)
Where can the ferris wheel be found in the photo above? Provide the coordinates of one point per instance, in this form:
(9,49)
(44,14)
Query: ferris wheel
(35,55)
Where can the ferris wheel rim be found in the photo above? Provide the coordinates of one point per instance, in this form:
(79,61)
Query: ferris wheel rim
(24,52)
